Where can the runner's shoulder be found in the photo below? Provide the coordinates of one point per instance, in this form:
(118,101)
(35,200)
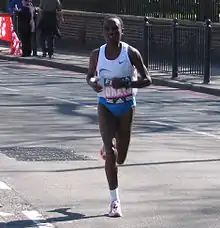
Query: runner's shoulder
(133,53)
(132,50)
(95,53)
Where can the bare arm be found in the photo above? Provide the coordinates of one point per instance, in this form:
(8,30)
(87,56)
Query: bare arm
(92,65)
(137,61)
(41,5)
(59,10)
(59,5)
(92,71)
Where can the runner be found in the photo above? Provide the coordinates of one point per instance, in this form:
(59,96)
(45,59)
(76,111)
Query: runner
(116,84)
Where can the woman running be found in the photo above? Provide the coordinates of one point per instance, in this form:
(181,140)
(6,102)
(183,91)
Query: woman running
(112,74)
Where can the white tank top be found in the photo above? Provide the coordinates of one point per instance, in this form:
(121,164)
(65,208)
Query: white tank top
(120,67)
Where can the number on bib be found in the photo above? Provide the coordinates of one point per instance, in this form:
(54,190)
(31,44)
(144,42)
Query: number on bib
(112,95)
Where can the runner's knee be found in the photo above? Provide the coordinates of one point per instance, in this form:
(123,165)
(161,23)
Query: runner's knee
(120,161)
(121,157)
(122,149)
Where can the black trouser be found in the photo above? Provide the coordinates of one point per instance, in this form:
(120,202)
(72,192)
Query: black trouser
(48,23)
(26,40)
(15,22)
(47,36)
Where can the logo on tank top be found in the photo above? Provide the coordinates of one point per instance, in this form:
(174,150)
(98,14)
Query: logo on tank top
(120,62)
(116,96)
(103,70)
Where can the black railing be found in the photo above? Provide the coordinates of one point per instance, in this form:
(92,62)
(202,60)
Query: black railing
(178,49)
(198,10)
(3,6)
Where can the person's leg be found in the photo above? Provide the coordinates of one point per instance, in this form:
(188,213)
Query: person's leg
(29,43)
(123,135)
(34,43)
(50,43)
(43,42)
(108,127)
(23,40)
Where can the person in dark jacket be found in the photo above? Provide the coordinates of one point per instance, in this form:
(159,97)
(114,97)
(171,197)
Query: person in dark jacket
(15,4)
(14,7)
(26,26)
(48,24)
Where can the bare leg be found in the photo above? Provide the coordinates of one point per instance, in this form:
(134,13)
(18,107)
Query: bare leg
(107,126)
(123,135)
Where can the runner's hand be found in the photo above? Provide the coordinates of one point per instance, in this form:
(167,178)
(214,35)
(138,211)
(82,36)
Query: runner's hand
(96,87)
(118,83)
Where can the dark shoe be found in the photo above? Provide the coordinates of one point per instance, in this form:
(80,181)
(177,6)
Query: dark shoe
(26,55)
(34,53)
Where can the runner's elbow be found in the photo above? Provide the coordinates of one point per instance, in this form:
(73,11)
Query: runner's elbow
(147,81)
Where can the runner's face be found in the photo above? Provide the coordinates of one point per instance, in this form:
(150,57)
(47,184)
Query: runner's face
(112,31)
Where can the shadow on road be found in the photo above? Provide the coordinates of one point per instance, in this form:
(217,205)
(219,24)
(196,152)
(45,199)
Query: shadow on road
(68,217)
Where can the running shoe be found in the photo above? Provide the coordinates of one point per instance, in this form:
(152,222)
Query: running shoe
(115,210)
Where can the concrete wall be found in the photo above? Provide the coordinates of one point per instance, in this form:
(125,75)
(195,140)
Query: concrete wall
(85,29)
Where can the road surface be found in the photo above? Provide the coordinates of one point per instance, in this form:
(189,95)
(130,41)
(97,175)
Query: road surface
(51,174)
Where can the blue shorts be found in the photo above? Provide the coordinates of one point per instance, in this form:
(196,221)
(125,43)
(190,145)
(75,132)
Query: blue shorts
(118,109)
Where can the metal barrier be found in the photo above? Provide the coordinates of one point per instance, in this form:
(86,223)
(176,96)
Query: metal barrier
(178,48)
(196,10)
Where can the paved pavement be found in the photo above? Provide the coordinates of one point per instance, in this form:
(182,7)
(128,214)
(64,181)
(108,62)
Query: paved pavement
(78,61)
(51,174)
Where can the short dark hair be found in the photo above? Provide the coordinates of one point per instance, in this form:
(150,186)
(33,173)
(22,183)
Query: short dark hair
(109,17)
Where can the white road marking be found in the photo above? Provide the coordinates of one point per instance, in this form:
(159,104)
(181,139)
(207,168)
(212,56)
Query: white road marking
(5,214)
(6,88)
(156,122)
(72,102)
(4,186)
(37,219)
(63,100)
(186,129)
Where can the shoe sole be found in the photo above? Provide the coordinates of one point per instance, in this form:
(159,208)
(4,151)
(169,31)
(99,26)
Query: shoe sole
(117,215)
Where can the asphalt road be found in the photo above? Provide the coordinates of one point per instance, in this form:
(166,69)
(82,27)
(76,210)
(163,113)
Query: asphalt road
(51,174)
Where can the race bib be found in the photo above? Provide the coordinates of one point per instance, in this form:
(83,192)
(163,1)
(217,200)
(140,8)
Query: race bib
(115,96)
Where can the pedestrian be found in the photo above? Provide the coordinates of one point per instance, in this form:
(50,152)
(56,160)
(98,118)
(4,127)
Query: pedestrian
(116,64)
(26,26)
(48,24)
(15,4)
(14,7)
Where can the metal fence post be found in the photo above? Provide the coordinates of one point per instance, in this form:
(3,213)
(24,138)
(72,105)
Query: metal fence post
(34,35)
(146,41)
(207,53)
(174,50)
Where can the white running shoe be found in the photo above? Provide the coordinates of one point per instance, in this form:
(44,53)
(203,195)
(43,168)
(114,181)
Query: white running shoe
(115,210)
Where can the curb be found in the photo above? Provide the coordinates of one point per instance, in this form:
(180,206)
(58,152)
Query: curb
(156,81)
(200,88)
(45,62)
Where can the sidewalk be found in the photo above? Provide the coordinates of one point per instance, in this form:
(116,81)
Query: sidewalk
(78,62)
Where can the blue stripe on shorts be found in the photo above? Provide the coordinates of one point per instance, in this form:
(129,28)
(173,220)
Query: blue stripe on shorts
(118,109)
